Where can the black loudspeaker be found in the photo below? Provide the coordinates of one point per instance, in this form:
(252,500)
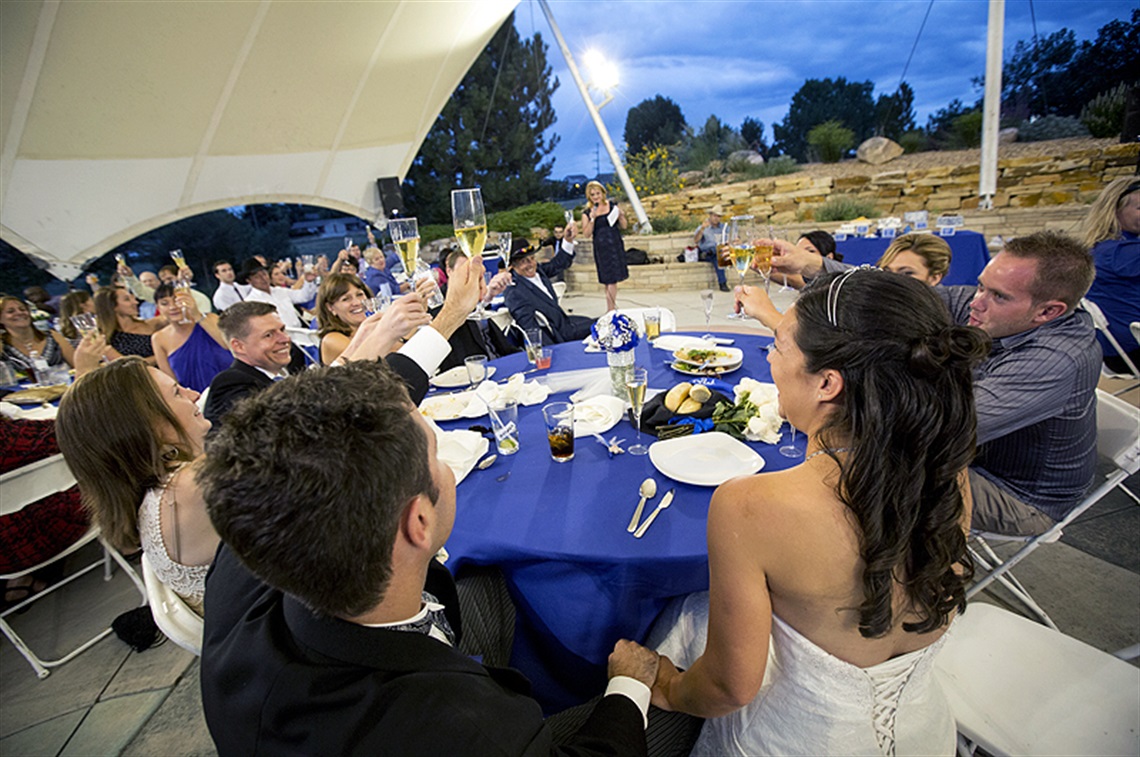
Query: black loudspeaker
(391,198)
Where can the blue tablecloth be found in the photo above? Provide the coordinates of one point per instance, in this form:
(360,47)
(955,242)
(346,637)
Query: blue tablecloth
(558,532)
(970,254)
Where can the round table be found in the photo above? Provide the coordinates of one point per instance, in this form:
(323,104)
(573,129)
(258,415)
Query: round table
(558,533)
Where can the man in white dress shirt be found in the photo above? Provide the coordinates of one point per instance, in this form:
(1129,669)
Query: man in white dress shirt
(256,276)
(228,293)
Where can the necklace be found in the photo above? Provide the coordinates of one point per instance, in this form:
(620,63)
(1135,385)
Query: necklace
(819,452)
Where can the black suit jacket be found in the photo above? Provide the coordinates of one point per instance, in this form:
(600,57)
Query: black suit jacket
(242,379)
(277,679)
(524,298)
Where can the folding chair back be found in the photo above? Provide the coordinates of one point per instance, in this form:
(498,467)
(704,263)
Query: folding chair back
(1118,439)
(1101,323)
(21,487)
(171,614)
(1016,687)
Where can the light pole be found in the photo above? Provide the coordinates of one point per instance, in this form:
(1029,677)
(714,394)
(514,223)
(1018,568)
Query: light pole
(643,224)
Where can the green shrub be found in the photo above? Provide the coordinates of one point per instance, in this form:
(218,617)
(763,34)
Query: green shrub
(667,224)
(1050,127)
(845,208)
(831,140)
(1103,115)
(778,166)
(914,141)
(966,131)
(518,221)
(653,171)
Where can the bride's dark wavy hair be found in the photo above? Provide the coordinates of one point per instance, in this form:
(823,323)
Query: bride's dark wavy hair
(906,415)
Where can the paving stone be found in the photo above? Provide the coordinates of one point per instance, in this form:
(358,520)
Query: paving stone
(111,724)
(47,738)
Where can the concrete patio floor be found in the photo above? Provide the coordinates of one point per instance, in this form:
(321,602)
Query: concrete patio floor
(111,700)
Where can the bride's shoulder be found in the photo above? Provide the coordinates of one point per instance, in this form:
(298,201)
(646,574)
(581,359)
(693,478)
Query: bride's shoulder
(772,501)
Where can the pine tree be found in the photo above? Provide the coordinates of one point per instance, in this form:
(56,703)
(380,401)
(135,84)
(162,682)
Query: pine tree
(490,133)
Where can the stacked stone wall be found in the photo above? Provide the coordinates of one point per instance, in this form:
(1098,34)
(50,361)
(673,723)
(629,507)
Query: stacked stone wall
(1063,177)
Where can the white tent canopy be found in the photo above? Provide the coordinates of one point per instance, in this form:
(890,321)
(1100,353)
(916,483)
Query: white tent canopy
(117,116)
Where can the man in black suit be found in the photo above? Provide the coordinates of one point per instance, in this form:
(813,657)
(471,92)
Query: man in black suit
(263,352)
(533,292)
(324,630)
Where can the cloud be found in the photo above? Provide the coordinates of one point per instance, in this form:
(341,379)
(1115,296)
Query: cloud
(747,58)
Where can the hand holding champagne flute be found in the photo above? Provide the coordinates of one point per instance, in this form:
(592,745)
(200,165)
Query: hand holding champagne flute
(405,233)
(470,224)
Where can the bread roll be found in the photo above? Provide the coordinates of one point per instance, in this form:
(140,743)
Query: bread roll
(676,396)
(700,393)
(689,406)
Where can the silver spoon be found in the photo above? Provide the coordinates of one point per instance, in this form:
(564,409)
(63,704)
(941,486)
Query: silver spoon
(648,490)
(487,462)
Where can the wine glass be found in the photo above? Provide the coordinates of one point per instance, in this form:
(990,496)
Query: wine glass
(505,253)
(707,304)
(790,449)
(740,239)
(84,323)
(405,234)
(182,286)
(469,221)
(635,385)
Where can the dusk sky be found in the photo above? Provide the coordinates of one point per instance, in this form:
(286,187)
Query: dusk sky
(748,57)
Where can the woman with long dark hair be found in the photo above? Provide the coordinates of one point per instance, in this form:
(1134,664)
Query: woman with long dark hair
(117,311)
(832,583)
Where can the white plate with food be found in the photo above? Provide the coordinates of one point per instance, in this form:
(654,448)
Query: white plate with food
(707,459)
(456,377)
(710,370)
(449,407)
(711,357)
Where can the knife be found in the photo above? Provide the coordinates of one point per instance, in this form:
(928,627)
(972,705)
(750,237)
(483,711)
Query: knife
(665,502)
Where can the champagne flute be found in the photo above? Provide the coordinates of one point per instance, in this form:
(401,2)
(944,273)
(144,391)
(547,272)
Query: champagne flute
(635,385)
(405,234)
(790,449)
(707,303)
(470,224)
(469,221)
(505,253)
(182,286)
(84,323)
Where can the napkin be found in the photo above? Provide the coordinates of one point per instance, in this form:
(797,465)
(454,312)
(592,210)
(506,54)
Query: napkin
(35,413)
(764,426)
(613,216)
(460,449)
(597,415)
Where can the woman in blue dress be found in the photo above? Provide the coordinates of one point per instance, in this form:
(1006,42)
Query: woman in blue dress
(1112,230)
(191,350)
(604,221)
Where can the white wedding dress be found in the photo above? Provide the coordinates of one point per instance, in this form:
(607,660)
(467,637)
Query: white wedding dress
(811,702)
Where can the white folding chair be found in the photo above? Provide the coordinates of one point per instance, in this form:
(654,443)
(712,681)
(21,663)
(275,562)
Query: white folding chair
(308,342)
(22,487)
(1101,324)
(544,324)
(1018,688)
(1118,438)
(559,290)
(171,614)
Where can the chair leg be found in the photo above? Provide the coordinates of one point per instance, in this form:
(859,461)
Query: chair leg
(1002,575)
(1129,492)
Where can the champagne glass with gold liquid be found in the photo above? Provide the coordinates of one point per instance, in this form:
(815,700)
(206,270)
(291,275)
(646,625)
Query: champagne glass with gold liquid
(638,381)
(740,239)
(762,259)
(405,234)
(470,224)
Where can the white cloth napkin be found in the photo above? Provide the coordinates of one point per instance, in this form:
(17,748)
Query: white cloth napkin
(613,216)
(33,413)
(597,415)
(460,449)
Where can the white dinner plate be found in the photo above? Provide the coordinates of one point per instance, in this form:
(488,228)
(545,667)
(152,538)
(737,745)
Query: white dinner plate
(724,356)
(448,407)
(713,371)
(707,459)
(456,377)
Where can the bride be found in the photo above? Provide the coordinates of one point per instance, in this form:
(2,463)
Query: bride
(833,583)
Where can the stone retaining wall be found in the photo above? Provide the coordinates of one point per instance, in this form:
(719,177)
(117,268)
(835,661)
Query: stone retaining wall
(1073,176)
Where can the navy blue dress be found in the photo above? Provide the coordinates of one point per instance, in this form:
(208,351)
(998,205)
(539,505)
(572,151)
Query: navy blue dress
(609,251)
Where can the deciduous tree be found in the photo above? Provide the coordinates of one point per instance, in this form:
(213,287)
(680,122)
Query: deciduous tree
(820,100)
